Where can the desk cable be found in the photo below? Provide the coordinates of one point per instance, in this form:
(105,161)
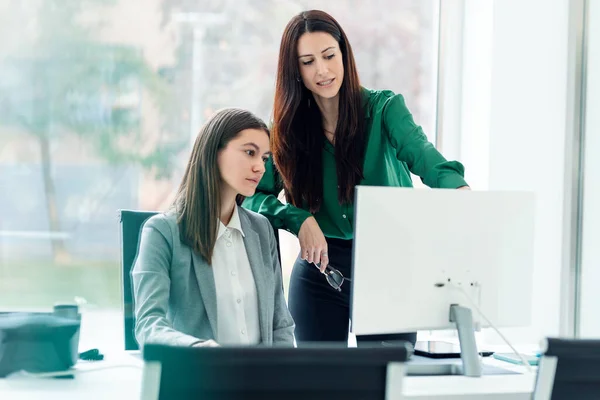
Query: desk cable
(69,372)
(476,307)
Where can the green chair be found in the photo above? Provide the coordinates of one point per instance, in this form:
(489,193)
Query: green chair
(131,225)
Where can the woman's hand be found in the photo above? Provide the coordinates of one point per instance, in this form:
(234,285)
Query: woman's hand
(313,247)
(464,188)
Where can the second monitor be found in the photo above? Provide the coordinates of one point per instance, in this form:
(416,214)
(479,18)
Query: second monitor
(264,373)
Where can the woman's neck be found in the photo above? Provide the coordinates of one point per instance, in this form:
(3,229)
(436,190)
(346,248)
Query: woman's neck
(227,207)
(329,110)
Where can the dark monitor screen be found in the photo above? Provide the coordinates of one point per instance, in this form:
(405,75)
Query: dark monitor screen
(570,369)
(229,373)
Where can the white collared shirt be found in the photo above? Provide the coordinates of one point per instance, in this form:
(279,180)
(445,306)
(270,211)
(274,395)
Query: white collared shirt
(237,301)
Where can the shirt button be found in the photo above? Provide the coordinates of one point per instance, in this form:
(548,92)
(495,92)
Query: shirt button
(243,331)
(343,215)
(232,273)
(229,243)
(239,301)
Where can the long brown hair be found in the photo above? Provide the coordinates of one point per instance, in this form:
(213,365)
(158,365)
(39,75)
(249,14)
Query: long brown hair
(298,138)
(198,199)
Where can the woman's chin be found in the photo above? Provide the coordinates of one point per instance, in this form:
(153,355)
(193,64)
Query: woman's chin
(327,92)
(247,192)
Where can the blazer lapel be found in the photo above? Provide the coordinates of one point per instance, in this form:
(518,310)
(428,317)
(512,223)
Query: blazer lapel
(206,282)
(253,249)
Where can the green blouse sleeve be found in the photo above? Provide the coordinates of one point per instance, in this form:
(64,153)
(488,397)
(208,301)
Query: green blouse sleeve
(413,148)
(265,202)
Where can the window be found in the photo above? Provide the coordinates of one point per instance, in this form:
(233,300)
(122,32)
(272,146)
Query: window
(590,255)
(97,113)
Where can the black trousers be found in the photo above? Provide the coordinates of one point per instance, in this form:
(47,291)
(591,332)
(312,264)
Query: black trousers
(320,312)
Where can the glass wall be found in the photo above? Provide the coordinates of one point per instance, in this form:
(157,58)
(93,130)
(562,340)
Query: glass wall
(590,234)
(99,103)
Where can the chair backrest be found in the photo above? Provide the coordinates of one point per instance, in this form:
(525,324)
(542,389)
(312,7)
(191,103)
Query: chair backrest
(319,372)
(569,369)
(131,224)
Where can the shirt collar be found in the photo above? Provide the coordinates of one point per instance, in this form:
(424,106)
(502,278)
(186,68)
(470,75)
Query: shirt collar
(234,223)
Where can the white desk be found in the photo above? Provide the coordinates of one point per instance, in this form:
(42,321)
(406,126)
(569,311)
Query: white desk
(120,380)
(491,387)
(124,382)
(499,387)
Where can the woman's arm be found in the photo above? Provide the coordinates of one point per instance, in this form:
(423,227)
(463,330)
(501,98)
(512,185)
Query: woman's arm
(151,287)
(300,222)
(265,202)
(413,148)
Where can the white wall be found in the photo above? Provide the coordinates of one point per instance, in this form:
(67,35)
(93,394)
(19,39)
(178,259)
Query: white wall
(513,129)
(478,29)
(590,294)
(528,128)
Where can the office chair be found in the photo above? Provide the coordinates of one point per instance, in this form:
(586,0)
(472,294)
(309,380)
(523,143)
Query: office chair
(568,370)
(318,372)
(131,225)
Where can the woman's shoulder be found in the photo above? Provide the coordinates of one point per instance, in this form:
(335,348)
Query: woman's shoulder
(373,97)
(255,219)
(164,222)
(376,100)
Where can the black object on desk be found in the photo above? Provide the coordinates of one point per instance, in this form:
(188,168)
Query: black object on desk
(441,349)
(264,373)
(91,355)
(39,342)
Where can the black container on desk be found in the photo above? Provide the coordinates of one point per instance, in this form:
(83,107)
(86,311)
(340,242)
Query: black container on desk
(39,342)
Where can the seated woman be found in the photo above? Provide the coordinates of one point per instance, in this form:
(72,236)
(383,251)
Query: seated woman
(207,270)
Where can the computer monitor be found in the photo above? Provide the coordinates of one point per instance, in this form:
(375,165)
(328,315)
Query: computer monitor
(253,373)
(418,253)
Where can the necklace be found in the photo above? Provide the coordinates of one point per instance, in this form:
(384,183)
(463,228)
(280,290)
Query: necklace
(330,136)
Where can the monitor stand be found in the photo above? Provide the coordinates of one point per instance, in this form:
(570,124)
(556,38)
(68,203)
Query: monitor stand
(463,318)
(470,365)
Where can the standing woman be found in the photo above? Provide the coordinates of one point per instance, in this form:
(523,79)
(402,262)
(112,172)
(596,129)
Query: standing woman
(207,271)
(329,135)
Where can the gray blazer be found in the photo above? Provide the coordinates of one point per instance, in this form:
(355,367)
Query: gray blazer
(174,287)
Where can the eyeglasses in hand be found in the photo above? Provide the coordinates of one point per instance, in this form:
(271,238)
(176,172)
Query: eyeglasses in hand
(334,277)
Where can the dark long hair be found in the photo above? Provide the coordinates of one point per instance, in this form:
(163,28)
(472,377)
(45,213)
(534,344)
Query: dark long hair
(298,138)
(198,199)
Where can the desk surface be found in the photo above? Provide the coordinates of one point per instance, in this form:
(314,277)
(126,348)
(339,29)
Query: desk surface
(506,387)
(119,377)
(509,387)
